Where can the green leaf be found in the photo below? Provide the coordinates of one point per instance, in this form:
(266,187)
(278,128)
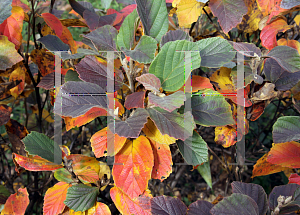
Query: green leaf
(81,197)
(8,53)
(288,58)
(210,108)
(72,75)
(41,145)
(5,6)
(204,171)
(4,194)
(286,129)
(154,16)
(144,52)
(215,52)
(106,3)
(125,38)
(168,65)
(193,149)
(63,175)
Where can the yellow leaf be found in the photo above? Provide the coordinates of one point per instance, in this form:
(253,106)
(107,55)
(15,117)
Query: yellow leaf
(297,19)
(175,3)
(17,74)
(153,133)
(188,12)
(45,115)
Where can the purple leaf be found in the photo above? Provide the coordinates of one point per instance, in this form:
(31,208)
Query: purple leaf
(249,48)
(175,35)
(200,207)
(95,21)
(167,205)
(256,192)
(132,126)
(169,103)
(149,81)
(135,100)
(47,81)
(179,126)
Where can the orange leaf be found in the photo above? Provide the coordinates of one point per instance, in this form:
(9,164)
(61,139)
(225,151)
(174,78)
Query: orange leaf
(199,83)
(12,26)
(257,110)
(35,163)
(84,119)
(44,60)
(102,209)
(128,206)
(17,203)
(99,143)
(225,136)
(263,167)
(291,43)
(269,32)
(137,159)
(54,198)
(285,154)
(270,7)
(85,167)
(162,160)
(17,74)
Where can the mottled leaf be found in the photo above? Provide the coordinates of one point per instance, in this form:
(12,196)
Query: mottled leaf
(225,136)
(168,103)
(286,129)
(166,205)
(16,203)
(63,175)
(5,112)
(173,36)
(150,82)
(154,17)
(8,49)
(179,126)
(214,52)
(81,197)
(132,177)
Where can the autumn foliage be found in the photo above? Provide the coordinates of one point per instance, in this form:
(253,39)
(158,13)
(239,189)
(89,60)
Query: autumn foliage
(154,74)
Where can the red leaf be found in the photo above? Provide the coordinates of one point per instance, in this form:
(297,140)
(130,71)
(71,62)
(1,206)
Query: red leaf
(54,198)
(17,203)
(54,23)
(285,154)
(132,177)
(199,83)
(25,7)
(294,179)
(135,100)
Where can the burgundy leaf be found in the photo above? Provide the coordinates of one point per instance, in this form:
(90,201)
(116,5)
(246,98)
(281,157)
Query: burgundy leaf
(175,35)
(149,81)
(5,112)
(95,21)
(47,81)
(169,103)
(167,205)
(135,100)
(249,48)
(200,207)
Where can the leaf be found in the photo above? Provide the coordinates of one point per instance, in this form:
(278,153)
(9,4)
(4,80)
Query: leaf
(188,12)
(144,51)
(168,65)
(294,179)
(285,154)
(72,75)
(162,161)
(81,197)
(17,74)
(12,26)
(99,143)
(214,52)
(286,129)
(168,103)
(132,177)
(269,32)
(53,43)
(74,105)
(121,15)
(54,198)
(132,126)
(153,133)
(63,175)
(288,4)
(48,81)
(204,170)
(102,208)
(173,36)
(165,205)
(193,149)
(270,8)
(127,205)
(154,17)
(257,110)
(199,83)
(263,167)
(229,12)
(54,23)
(86,168)
(16,203)
(282,79)
(16,132)
(4,194)
(94,21)
(250,49)
(256,192)
(6,8)
(200,206)
(36,163)
(41,145)
(209,108)
(283,190)
(135,100)
(5,112)
(236,204)
(149,81)
(91,70)
(8,49)
(291,43)
(126,35)
(179,126)
(225,136)
(103,38)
